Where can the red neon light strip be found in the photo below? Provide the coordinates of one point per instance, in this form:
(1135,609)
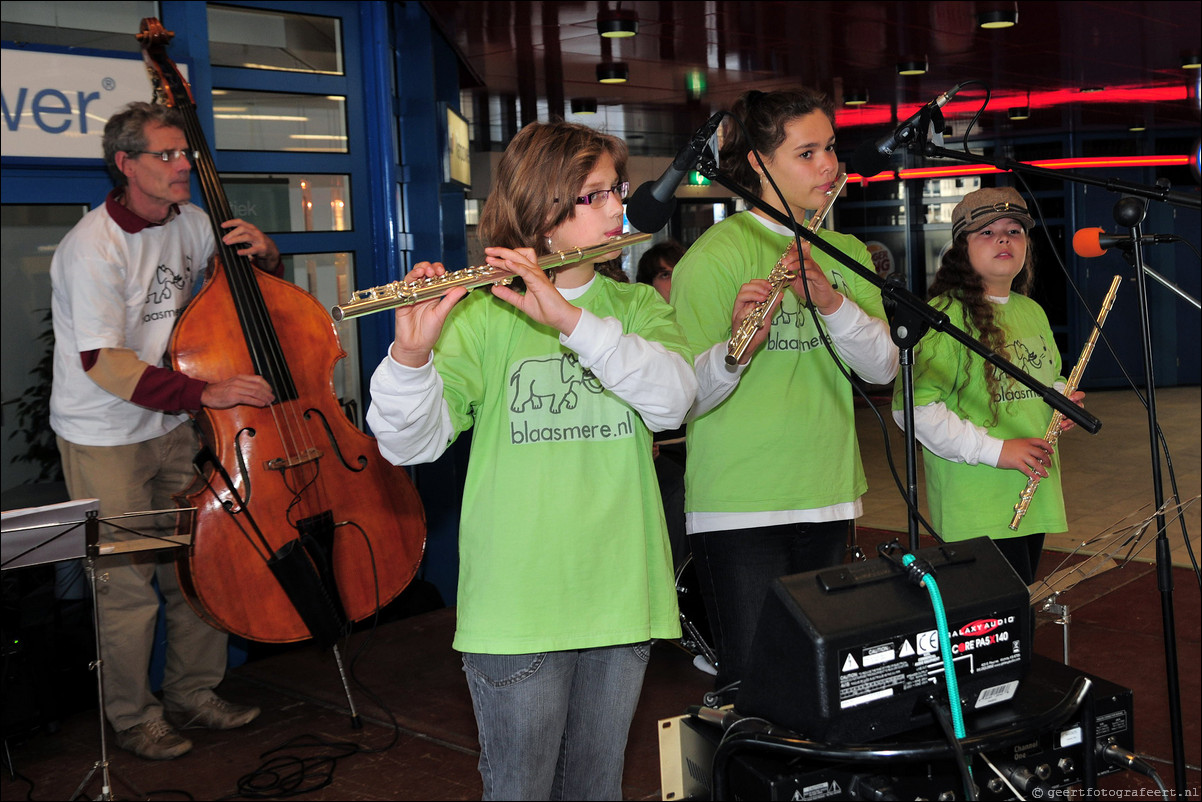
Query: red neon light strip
(879,114)
(1047,164)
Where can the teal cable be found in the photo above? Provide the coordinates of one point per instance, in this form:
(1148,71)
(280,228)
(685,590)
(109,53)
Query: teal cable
(945,649)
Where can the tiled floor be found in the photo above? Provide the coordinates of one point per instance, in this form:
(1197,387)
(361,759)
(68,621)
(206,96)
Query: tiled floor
(409,667)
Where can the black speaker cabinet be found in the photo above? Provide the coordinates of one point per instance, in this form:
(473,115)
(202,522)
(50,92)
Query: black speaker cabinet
(851,654)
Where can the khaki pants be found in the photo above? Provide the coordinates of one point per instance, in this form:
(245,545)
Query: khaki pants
(136,478)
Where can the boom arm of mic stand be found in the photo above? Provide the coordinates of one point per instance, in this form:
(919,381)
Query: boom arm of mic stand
(1129,257)
(904,298)
(1112,184)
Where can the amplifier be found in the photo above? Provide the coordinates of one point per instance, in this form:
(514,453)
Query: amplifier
(1048,759)
(850,654)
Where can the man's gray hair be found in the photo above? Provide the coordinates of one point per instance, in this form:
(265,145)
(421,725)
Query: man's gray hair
(126,131)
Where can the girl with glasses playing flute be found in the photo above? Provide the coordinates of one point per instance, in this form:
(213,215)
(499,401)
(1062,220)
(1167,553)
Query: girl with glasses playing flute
(773,478)
(982,431)
(565,575)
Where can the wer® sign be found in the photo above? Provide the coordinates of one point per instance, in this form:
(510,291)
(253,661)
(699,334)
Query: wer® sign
(55,105)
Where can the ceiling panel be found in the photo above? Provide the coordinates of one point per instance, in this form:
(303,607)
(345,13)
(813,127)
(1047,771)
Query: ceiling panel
(548,52)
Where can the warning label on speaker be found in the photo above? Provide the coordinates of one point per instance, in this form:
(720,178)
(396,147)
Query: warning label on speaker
(879,670)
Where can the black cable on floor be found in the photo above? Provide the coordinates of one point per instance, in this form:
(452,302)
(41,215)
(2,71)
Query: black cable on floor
(293,774)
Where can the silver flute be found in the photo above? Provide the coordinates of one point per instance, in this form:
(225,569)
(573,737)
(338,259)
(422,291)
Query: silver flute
(779,279)
(407,293)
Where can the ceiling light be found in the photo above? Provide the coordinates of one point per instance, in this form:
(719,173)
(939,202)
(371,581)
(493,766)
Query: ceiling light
(1137,128)
(612,72)
(1191,61)
(584,105)
(1022,112)
(998,17)
(617,24)
(855,97)
(914,66)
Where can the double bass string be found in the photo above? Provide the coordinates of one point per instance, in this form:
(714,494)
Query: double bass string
(222,574)
(259,332)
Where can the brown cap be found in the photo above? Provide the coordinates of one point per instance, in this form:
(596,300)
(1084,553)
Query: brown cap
(981,207)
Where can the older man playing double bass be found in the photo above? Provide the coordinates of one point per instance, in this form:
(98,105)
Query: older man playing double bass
(120,279)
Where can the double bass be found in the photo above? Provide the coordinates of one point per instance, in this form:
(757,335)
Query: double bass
(301,526)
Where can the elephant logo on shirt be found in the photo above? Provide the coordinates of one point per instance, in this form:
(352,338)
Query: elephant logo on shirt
(1026,358)
(790,312)
(550,381)
(167,281)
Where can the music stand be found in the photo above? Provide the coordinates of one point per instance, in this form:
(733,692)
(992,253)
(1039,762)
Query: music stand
(69,531)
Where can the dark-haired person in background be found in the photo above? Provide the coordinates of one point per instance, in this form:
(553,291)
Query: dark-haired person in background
(655,269)
(656,266)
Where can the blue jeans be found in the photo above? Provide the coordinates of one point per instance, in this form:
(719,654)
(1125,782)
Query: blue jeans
(735,569)
(554,725)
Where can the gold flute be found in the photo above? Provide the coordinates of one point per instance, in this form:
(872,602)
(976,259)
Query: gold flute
(1053,433)
(407,293)
(778,278)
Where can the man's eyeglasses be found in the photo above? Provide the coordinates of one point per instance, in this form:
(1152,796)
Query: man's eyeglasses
(602,195)
(169,155)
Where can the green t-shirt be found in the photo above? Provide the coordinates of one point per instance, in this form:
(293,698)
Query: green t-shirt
(968,501)
(785,437)
(562,538)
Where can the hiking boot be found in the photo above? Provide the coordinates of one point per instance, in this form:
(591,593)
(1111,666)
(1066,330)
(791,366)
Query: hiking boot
(214,714)
(153,740)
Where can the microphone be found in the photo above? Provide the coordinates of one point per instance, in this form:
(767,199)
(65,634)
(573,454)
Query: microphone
(1091,242)
(872,157)
(652,203)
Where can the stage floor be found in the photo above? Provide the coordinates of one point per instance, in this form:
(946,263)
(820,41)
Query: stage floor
(409,666)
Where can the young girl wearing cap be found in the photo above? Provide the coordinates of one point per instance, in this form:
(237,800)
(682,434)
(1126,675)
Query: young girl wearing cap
(565,574)
(983,431)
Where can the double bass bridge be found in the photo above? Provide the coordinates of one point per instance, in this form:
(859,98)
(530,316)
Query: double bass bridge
(292,461)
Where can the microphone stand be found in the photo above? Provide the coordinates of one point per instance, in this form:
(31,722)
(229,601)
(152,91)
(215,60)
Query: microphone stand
(1130,215)
(911,319)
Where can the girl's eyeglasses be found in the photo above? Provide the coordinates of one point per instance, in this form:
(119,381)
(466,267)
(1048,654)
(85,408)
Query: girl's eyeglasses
(602,195)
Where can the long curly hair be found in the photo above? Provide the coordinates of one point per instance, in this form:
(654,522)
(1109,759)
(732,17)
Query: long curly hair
(957,280)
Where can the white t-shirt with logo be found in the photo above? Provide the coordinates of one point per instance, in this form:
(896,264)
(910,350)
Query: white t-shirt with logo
(117,289)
